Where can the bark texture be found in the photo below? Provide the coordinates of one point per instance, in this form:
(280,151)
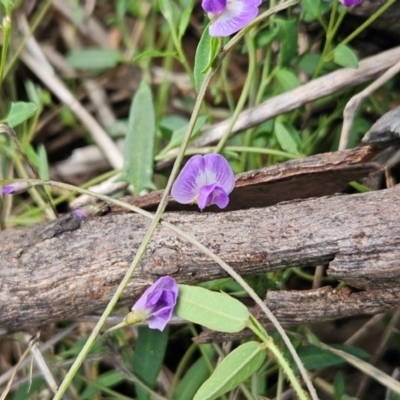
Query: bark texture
(65,269)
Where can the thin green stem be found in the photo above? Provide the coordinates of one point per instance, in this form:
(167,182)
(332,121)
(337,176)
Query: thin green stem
(38,19)
(265,15)
(258,329)
(286,369)
(230,45)
(369,21)
(51,210)
(227,149)
(96,331)
(182,367)
(36,196)
(142,249)
(181,54)
(251,77)
(329,37)
(4,50)
(241,103)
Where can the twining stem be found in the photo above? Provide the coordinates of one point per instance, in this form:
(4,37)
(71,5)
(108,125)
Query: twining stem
(142,249)
(241,102)
(258,329)
(95,333)
(369,21)
(4,50)
(51,210)
(157,219)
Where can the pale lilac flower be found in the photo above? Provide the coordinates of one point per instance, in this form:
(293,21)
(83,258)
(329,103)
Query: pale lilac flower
(156,305)
(349,3)
(229,16)
(78,212)
(14,188)
(204,180)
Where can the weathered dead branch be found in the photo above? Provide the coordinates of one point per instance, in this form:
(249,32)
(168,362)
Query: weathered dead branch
(65,269)
(334,82)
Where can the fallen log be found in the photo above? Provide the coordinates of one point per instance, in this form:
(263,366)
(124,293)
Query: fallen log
(66,269)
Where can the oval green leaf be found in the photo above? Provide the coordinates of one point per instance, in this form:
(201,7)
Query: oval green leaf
(288,140)
(287,33)
(216,311)
(287,79)
(20,112)
(94,59)
(235,368)
(206,52)
(150,345)
(196,374)
(345,57)
(139,143)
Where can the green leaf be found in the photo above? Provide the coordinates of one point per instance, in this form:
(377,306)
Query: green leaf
(31,154)
(139,143)
(311,8)
(196,374)
(107,380)
(148,357)
(288,139)
(94,59)
(287,34)
(43,167)
(170,123)
(20,112)
(339,385)
(234,369)
(8,4)
(205,54)
(178,134)
(314,357)
(185,19)
(266,36)
(345,57)
(287,79)
(309,62)
(166,10)
(216,311)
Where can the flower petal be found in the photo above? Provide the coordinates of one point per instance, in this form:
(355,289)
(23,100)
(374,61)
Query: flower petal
(219,172)
(350,3)
(160,321)
(220,197)
(15,188)
(214,6)
(212,194)
(187,185)
(205,196)
(237,15)
(148,300)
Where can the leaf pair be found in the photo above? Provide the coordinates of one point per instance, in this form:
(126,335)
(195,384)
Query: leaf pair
(221,312)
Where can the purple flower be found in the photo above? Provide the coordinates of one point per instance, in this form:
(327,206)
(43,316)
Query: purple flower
(79,213)
(349,3)
(229,16)
(204,180)
(157,303)
(14,188)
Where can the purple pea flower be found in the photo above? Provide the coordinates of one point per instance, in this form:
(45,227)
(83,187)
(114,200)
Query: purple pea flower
(229,16)
(79,213)
(204,180)
(14,188)
(349,3)
(156,304)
